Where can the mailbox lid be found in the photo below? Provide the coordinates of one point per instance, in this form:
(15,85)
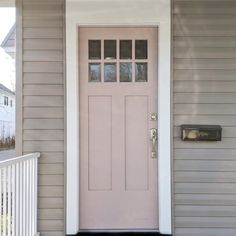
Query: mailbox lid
(201,132)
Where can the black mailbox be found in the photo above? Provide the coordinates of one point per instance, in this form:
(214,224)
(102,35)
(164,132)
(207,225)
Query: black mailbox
(201,132)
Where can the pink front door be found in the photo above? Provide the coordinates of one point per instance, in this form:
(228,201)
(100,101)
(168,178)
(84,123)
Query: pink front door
(118,109)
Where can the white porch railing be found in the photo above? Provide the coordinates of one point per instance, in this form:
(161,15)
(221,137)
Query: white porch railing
(18,193)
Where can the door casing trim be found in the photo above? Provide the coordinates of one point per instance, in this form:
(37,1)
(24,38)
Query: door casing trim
(158,14)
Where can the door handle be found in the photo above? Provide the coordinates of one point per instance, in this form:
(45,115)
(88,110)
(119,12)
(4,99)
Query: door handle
(153,133)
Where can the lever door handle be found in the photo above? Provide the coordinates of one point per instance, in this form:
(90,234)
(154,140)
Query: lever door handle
(153,133)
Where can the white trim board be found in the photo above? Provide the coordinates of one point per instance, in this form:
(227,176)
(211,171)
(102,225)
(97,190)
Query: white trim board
(119,13)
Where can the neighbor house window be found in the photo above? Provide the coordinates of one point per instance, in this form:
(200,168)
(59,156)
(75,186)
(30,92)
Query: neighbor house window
(5,101)
(11,103)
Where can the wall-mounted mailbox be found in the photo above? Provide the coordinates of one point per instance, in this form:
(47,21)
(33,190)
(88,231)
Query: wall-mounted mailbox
(201,132)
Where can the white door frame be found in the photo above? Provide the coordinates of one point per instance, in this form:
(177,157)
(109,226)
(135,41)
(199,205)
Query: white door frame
(105,13)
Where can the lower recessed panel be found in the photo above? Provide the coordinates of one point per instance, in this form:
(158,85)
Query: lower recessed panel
(100,142)
(136,142)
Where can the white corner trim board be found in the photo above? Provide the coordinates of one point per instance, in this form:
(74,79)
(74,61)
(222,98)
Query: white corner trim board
(129,13)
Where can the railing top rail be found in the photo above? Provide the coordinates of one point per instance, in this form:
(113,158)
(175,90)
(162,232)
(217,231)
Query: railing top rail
(19,159)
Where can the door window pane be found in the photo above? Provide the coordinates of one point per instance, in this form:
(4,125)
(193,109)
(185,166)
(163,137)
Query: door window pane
(110,72)
(125,49)
(141,72)
(125,72)
(94,72)
(94,49)
(110,49)
(141,49)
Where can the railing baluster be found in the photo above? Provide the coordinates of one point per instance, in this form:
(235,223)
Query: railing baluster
(33,200)
(21,200)
(9,183)
(4,200)
(30,197)
(35,192)
(1,180)
(13,198)
(27,198)
(24,197)
(17,216)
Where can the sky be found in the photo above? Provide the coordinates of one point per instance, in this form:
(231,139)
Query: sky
(7,19)
(7,64)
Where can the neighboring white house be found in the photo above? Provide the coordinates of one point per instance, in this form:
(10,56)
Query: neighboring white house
(7,112)
(8,44)
(7,86)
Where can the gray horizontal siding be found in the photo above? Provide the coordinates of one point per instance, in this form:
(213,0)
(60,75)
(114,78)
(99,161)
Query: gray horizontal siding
(204,98)
(205,211)
(203,42)
(45,89)
(43,78)
(41,146)
(204,109)
(205,64)
(48,135)
(226,143)
(40,112)
(206,53)
(205,231)
(52,224)
(50,214)
(51,169)
(43,101)
(43,105)
(204,154)
(51,203)
(43,124)
(205,165)
(204,75)
(43,44)
(204,179)
(203,119)
(206,222)
(206,87)
(206,188)
(42,67)
(203,175)
(48,22)
(43,33)
(53,233)
(37,55)
(205,199)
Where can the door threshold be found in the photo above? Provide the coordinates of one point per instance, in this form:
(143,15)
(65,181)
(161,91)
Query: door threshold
(120,233)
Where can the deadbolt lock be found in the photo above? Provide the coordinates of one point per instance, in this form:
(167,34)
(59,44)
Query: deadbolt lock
(153,116)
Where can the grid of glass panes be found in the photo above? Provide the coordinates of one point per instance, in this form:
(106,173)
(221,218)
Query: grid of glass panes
(126,60)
